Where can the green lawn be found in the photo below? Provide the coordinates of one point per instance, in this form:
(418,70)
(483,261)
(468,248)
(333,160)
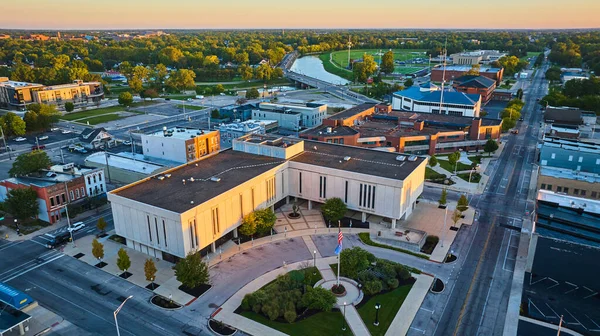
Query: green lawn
(101,119)
(323,323)
(459,166)
(531,54)
(341,57)
(390,304)
(336,70)
(475,159)
(191,107)
(252,84)
(432,174)
(92,113)
(405,70)
(365,238)
(475,177)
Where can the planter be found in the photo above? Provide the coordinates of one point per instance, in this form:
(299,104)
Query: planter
(164,303)
(442,206)
(338,290)
(294,216)
(437,286)
(220,328)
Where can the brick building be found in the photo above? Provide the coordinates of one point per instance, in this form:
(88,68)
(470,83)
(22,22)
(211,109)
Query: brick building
(472,84)
(54,191)
(405,132)
(455,71)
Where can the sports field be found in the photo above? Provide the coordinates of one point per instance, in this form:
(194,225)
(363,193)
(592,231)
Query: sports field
(340,58)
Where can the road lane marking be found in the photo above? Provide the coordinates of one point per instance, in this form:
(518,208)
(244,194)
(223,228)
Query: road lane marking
(11,244)
(31,269)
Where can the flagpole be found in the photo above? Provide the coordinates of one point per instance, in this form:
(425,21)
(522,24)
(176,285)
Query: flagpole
(339,255)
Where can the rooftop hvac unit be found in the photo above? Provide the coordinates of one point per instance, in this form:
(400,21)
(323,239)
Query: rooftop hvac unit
(167,175)
(400,158)
(192,179)
(215,179)
(412,158)
(161,178)
(347,158)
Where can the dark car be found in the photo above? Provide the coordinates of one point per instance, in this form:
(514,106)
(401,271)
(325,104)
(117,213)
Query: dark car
(521,119)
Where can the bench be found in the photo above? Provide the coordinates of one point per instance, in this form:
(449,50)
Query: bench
(399,234)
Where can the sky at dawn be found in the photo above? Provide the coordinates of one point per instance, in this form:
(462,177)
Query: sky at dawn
(202,14)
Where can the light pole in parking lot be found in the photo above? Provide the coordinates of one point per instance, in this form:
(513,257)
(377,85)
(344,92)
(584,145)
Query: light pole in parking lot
(117,312)
(5,146)
(67,213)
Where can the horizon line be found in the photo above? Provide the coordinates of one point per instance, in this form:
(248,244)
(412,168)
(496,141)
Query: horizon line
(295,29)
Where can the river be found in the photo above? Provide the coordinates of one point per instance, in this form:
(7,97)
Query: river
(312,66)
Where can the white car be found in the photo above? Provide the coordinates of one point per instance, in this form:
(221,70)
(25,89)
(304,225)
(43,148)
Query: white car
(66,132)
(54,129)
(43,137)
(76,227)
(127,143)
(19,139)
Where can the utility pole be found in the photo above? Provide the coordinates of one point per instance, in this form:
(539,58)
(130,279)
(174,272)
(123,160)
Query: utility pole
(107,166)
(5,145)
(62,157)
(349,45)
(443,77)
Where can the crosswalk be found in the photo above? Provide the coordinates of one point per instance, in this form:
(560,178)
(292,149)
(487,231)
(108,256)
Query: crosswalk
(41,260)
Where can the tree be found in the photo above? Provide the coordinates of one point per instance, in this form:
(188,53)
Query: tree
(453,158)
(214,114)
(463,203)
(474,70)
(358,71)
(266,218)
(125,99)
(218,89)
(22,203)
(30,162)
(248,226)
(433,161)
(252,93)
(151,93)
(553,74)
(12,124)
(69,106)
(263,72)
(31,121)
(101,225)
(508,123)
(409,82)
(443,197)
(181,79)
(490,146)
(150,269)
(387,62)
(246,72)
(355,260)
(318,298)
(97,249)
(520,94)
(123,261)
(192,271)
(170,56)
(456,216)
(370,66)
(159,73)
(334,209)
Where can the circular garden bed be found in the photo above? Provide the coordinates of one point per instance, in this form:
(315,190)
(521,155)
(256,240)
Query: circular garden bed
(438,286)
(338,290)
(165,303)
(220,328)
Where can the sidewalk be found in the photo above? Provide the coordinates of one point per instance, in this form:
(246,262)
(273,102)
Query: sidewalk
(165,275)
(407,312)
(12,234)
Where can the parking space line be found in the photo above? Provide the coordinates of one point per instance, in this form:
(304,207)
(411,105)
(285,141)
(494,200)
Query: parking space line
(555,313)
(578,323)
(419,330)
(538,309)
(427,310)
(556,283)
(594,322)
(507,248)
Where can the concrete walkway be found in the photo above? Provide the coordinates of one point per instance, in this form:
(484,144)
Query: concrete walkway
(412,303)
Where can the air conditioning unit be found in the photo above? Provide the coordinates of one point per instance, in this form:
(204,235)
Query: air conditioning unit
(215,179)
(412,158)
(161,178)
(347,158)
(400,158)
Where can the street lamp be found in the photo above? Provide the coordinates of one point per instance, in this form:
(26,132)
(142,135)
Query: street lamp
(17,228)
(315,262)
(344,322)
(377,307)
(117,311)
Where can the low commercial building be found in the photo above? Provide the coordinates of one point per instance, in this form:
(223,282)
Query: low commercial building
(180,144)
(94,138)
(95,181)
(407,132)
(570,122)
(569,182)
(238,112)
(570,154)
(234,130)
(292,116)
(124,168)
(54,191)
(567,76)
(196,206)
(17,95)
(455,71)
(472,84)
(476,57)
(435,101)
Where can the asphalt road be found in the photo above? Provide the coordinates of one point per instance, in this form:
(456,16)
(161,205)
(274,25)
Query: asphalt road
(476,295)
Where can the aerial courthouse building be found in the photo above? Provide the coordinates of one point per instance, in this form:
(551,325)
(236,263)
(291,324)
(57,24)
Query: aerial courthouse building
(200,204)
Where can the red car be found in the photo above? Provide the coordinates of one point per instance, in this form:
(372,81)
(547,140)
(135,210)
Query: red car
(36,147)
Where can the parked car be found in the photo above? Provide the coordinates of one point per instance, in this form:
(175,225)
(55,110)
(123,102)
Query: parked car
(521,119)
(66,131)
(43,137)
(515,131)
(54,129)
(189,99)
(76,227)
(36,147)
(19,139)
(81,150)
(127,143)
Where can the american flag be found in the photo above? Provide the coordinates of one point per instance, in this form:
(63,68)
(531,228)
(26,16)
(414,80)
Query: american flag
(338,249)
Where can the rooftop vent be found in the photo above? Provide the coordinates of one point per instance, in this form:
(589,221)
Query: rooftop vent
(191,202)
(412,158)
(315,147)
(329,129)
(161,178)
(215,179)
(400,158)
(167,175)
(192,179)
(347,158)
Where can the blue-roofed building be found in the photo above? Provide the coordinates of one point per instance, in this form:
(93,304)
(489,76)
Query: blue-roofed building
(429,99)
(570,154)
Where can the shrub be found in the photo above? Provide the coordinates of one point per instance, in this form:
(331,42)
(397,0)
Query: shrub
(355,260)
(393,283)
(334,209)
(69,107)
(290,316)
(318,298)
(373,287)
(246,302)
(402,273)
(271,309)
